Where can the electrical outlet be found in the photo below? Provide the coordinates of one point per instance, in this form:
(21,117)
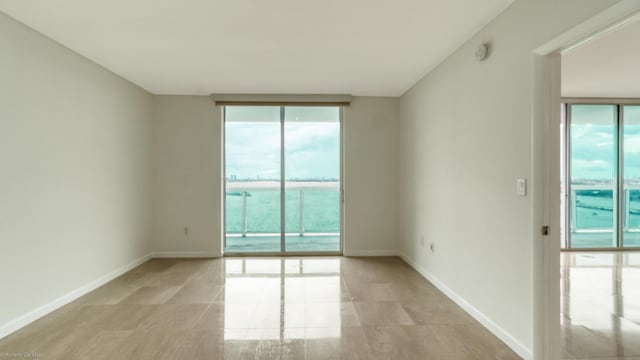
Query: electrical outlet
(432,247)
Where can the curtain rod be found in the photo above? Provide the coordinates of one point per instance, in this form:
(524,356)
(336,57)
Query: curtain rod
(282,99)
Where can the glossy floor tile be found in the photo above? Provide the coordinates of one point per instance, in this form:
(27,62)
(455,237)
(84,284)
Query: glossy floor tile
(262,308)
(600,305)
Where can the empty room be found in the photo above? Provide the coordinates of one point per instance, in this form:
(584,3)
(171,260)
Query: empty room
(217,179)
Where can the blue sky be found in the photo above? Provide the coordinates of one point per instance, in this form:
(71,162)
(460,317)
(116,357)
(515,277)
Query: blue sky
(593,147)
(312,142)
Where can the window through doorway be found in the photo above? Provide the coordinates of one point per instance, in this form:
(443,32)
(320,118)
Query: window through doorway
(602,165)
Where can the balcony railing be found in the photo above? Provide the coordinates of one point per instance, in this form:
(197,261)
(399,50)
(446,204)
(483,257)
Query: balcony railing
(630,224)
(245,189)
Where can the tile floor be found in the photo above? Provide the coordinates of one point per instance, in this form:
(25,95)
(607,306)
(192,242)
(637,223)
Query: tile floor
(600,305)
(261,308)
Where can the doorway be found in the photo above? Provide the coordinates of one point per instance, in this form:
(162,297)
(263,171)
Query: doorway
(550,189)
(282,180)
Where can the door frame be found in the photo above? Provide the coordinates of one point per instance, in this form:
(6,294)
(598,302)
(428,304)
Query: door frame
(546,192)
(283,252)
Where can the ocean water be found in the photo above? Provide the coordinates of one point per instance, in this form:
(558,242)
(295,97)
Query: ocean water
(594,219)
(596,211)
(321,212)
(593,223)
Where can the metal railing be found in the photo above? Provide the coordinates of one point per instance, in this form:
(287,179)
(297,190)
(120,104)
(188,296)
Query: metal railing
(614,208)
(245,188)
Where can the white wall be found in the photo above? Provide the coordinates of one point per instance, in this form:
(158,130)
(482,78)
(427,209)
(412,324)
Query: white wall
(465,137)
(604,67)
(371,175)
(188,176)
(75,171)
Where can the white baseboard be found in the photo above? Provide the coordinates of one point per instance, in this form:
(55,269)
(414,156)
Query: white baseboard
(367,253)
(186,254)
(33,315)
(498,331)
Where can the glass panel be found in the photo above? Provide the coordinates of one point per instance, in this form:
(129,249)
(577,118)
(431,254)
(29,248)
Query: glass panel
(312,179)
(593,150)
(563,184)
(252,168)
(631,171)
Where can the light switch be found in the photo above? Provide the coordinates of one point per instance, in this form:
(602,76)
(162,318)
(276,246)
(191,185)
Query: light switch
(522,187)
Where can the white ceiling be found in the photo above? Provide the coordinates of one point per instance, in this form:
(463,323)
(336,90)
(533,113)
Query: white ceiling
(608,66)
(361,47)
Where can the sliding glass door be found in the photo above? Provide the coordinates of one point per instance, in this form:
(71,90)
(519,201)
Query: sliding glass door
(603,194)
(631,173)
(312,178)
(282,179)
(252,143)
(593,174)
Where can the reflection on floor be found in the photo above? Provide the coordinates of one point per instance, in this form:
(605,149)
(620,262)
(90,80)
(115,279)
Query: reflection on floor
(269,308)
(295,243)
(601,305)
